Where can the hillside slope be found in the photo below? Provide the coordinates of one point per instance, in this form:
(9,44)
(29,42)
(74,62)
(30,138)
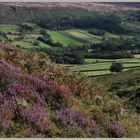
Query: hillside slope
(125,86)
(84,5)
(41,99)
(23,12)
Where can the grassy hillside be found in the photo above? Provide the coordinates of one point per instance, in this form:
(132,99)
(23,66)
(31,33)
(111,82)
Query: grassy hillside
(41,99)
(125,85)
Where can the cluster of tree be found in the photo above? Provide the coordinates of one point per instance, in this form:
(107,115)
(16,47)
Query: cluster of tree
(6,38)
(110,55)
(65,55)
(133,16)
(25,28)
(3,34)
(109,49)
(44,33)
(49,41)
(115,48)
(65,18)
(46,38)
(116,44)
(116,67)
(97,32)
(106,21)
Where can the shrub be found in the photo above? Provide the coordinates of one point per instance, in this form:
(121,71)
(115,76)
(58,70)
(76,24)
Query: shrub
(97,32)
(75,121)
(116,67)
(116,130)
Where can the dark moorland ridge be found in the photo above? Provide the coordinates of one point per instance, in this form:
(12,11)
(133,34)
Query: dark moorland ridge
(85,5)
(130,4)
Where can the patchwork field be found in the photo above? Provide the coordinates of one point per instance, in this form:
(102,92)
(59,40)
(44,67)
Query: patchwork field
(92,67)
(96,67)
(58,36)
(8,28)
(66,37)
(83,35)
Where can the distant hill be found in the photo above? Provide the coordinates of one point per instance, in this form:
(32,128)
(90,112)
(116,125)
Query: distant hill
(126,4)
(23,12)
(84,5)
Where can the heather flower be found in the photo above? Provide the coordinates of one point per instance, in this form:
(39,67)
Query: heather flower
(7,113)
(36,115)
(5,46)
(69,117)
(75,121)
(116,130)
(17,89)
(38,82)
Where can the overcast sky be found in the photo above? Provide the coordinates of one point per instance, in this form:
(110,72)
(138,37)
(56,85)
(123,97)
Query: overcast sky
(69,0)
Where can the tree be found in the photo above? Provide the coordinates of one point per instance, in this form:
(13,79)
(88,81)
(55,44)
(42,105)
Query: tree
(3,34)
(26,28)
(44,33)
(36,43)
(116,67)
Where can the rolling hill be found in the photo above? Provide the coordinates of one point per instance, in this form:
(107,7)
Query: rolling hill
(55,77)
(19,12)
(42,99)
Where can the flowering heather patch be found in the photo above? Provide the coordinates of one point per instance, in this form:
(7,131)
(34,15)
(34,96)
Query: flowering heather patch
(24,97)
(38,98)
(67,118)
(3,46)
(116,130)
(35,115)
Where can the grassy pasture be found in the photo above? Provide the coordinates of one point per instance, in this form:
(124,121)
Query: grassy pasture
(66,37)
(57,36)
(23,44)
(15,28)
(91,67)
(97,73)
(9,28)
(102,66)
(28,45)
(28,41)
(128,60)
(83,35)
(134,25)
(137,56)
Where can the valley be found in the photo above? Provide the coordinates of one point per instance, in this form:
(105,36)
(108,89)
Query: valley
(70,70)
(78,37)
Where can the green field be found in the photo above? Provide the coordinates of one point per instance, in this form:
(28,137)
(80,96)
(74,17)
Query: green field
(137,56)
(57,36)
(74,36)
(128,60)
(70,37)
(83,35)
(29,45)
(97,73)
(28,41)
(66,37)
(8,28)
(95,67)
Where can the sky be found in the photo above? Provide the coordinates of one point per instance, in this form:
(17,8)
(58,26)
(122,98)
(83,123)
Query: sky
(69,0)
